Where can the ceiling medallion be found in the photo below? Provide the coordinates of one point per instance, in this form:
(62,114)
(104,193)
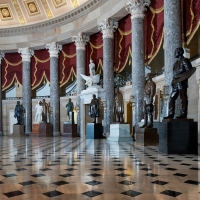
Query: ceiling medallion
(75,3)
(59,3)
(5,13)
(32,7)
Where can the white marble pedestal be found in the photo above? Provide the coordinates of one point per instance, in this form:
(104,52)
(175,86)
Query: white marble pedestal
(120,133)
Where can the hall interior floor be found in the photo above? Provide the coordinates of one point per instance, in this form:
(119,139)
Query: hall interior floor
(77,169)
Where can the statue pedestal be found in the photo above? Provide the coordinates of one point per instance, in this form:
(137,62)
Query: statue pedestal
(45,130)
(178,136)
(120,132)
(18,130)
(146,136)
(35,128)
(70,130)
(94,131)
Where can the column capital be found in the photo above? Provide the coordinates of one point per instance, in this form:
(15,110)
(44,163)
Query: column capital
(108,27)
(80,41)
(137,8)
(2,55)
(26,54)
(54,49)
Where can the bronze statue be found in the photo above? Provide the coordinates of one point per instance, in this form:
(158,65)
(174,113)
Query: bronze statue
(119,106)
(70,107)
(182,70)
(94,109)
(19,111)
(148,108)
(44,112)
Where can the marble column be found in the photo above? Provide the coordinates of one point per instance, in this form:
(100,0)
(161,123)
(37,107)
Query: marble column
(108,27)
(26,55)
(80,42)
(172,36)
(54,86)
(137,9)
(1,111)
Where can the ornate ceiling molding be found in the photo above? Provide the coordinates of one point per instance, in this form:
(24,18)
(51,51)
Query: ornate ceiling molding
(19,12)
(52,23)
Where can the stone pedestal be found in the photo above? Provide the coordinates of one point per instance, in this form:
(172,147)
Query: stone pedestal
(120,132)
(18,130)
(45,130)
(35,129)
(178,136)
(94,131)
(70,130)
(146,136)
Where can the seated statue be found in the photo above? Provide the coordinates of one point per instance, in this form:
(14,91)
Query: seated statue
(119,106)
(19,111)
(94,109)
(38,114)
(148,108)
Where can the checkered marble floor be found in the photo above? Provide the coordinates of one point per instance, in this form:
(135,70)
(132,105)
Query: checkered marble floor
(77,169)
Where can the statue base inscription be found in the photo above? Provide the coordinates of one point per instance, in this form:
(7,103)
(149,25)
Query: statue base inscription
(120,132)
(178,136)
(94,131)
(147,136)
(70,130)
(18,130)
(45,130)
(35,129)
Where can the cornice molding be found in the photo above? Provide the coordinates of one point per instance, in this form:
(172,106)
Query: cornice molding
(55,22)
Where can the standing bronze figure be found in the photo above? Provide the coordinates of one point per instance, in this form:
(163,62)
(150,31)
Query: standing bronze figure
(148,108)
(19,111)
(182,70)
(44,112)
(94,109)
(119,106)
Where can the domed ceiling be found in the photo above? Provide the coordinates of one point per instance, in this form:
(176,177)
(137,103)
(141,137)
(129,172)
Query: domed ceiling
(26,12)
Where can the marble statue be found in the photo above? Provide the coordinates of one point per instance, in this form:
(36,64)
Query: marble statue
(38,114)
(119,106)
(148,108)
(69,107)
(92,68)
(94,109)
(44,111)
(182,70)
(18,113)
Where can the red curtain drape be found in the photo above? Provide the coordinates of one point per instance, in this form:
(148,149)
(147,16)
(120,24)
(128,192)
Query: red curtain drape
(40,68)
(11,70)
(67,63)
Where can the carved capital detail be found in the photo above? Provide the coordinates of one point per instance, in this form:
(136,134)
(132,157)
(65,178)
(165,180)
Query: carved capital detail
(2,55)
(108,27)
(80,41)
(137,8)
(26,54)
(54,49)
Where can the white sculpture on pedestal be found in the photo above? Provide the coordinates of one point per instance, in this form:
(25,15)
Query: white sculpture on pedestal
(92,79)
(38,114)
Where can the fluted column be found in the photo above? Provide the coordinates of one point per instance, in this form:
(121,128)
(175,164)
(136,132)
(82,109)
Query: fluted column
(172,35)
(1,111)
(108,27)
(137,10)
(54,86)
(80,42)
(26,55)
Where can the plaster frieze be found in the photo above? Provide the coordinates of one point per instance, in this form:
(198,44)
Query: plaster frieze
(80,41)
(26,54)
(55,22)
(54,49)
(137,8)
(108,27)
